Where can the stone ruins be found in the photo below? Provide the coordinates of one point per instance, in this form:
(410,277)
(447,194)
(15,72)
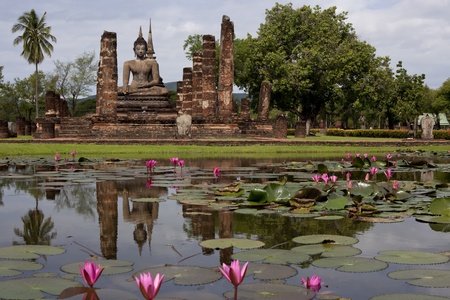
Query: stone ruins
(142,110)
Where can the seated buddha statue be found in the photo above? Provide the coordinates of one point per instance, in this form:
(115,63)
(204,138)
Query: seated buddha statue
(145,70)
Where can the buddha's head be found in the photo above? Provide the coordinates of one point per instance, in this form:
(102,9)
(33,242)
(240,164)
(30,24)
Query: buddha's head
(140,45)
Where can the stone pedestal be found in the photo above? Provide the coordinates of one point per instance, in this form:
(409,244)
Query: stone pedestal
(48,130)
(280,127)
(300,129)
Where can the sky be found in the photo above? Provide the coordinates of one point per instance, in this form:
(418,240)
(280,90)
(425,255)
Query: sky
(415,32)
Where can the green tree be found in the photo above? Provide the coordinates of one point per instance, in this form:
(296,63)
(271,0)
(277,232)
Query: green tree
(75,79)
(35,40)
(308,54)
(193,43)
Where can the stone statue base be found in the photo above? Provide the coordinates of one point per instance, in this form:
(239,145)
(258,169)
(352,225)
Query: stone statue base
(154,91)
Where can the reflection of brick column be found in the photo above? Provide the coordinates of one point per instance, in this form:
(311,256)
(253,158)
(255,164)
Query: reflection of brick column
(225,231)
(197,83)
(107,218)
(107,75)
(226,68)
(209,75)
(264,101)
(186,105)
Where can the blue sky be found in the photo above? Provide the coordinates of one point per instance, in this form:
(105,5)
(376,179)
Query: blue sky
(416,32)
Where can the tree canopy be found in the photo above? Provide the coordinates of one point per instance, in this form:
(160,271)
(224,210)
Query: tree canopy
(36,42)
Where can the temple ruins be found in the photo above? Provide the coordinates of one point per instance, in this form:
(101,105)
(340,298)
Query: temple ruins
(141,109)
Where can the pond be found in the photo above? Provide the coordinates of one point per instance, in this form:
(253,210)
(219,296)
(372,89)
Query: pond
(382,242)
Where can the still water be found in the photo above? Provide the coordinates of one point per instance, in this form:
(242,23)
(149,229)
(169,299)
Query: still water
(90,212)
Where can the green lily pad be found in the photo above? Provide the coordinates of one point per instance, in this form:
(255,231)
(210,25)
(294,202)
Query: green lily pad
(328,250)
(424,277)
(149,200)
(231,242)
(270,271)
(411,257)
(325,239)
(434,219)
(34,287)
(184,275)
(272,256)
(407,296)
(14,267)
(29,251)
(337,203)
(440,206)
(112,267)
(263,290)
(329,218)
(351,264)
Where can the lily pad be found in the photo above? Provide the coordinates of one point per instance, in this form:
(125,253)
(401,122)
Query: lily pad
(424,277)
(407,296)
(325,239)
(440,206)
(411,257)
(29,251)
(328,250)
(272,256)
(274,291)
(14,267)
(34,287)
(231,242)
(351,264)
(149,200)
(112,267)
(270,271)
(185,275)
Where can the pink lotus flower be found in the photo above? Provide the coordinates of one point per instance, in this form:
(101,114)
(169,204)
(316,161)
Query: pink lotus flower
(333,178)
(216,172)
(388,174)
(367,177)
(388,156)
(357,155)
(149,287)
(73,153)
(57,156)
(150,164)
(313,284)
(373,171)
(174,160)
(325,178)
(374,158)
(349,155)
(234,274)
(366,155)
(181,164)
(316,178)
(348,176)
(395,184)
(91,273)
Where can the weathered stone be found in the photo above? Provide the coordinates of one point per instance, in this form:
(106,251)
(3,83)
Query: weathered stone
(264,101)
(300,129)
(226,68)
(209,76)
(280,127)
(427,124)
(48,130)
(184,123)
(107,75)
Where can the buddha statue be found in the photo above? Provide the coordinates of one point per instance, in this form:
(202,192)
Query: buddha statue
(145,71)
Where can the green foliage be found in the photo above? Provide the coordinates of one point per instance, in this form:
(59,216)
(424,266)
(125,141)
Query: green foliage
(35,40)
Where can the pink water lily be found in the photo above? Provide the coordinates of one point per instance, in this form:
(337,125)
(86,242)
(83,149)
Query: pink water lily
(91,273)
(73,153)
(234,274)
(374,158)
(388,156)
(216,172)
(333,178)
(348,176)
(373,171)
(316,178)
(366,155)
(313,283)
(174,160)
(325,178)
(395,184)
(149,287)
(150,164)
(57,156)
(388,174)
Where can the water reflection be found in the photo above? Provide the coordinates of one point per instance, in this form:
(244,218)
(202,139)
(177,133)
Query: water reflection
(102,212)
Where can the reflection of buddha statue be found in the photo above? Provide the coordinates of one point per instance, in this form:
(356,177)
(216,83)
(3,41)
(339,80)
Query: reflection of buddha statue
(145,70)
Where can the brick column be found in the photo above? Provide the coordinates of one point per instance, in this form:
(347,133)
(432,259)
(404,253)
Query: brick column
(186,105)
(209,76)
(197,89)
(107,75)
(226,68)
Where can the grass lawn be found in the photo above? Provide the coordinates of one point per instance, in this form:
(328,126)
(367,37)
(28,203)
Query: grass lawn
(30,149)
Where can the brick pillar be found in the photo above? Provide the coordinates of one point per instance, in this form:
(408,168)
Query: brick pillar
(20,125)
(280,127)
(209,76)
(186,105)
(197,89)
(226,69)
(245,109)
(64,109)
(107,75)
(4,132)
(264,101)
(48,130)
(179,95)
(108,217)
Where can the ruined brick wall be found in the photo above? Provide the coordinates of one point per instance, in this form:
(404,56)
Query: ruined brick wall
(186,104)
(226,69)
(197,89)
(209,76)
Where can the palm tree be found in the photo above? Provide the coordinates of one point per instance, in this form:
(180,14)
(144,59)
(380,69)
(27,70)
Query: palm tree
(35,38)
